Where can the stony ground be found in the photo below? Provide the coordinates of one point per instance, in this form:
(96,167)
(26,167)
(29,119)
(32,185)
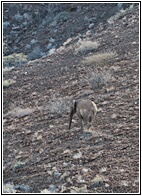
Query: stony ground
(38,149)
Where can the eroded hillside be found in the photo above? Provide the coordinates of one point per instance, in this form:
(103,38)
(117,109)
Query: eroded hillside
(40,154)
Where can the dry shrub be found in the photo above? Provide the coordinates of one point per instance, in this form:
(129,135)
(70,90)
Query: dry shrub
(119,14)
(5,69)
(19,112)
(100,59)
(96,80)
(86,46)
(58,106)
(99,180)
(14,60)
(7,83)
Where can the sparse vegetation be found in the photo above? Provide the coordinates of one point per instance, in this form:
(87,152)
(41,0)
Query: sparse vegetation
(86,46)
(100,59)
(121,13)
(7,83)
(14,60)
(98,180)
(5,69)
(96,80)
(58,106)
(103,159)
(20,112)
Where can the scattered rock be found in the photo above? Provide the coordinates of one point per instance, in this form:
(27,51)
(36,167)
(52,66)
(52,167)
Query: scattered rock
(23,188)
(124,183)
(34,93)
(110,89)
(53,188)
(57,174)
(45,191)
(33,41)
(49,60)
(51,126)
(113,116)
(6,24)
(49,46)
(51,51)
(51,40)
(99,180)
(67,151)
(80,179)
(65,174)
(77,155)
(62,17)
(85,170)
(91,25)
(103,169)
(67,41)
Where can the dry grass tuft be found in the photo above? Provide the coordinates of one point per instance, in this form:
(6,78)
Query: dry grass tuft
(96,80)
(58,105)
(86,46)
(14,60)
(99,180)
(7,83)
(20,112)
(100,59)
(121,13)
(5,69)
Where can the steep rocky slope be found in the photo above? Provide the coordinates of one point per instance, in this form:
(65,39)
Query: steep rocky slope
(38,149)
(35,29)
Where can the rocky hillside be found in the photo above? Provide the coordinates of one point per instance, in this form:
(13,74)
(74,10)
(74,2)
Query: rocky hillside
(95,55)
(38,29)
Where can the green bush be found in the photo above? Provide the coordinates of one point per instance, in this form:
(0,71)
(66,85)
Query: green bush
(14,60)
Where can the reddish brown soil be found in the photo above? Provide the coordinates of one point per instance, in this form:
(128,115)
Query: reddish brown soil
(43,142)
